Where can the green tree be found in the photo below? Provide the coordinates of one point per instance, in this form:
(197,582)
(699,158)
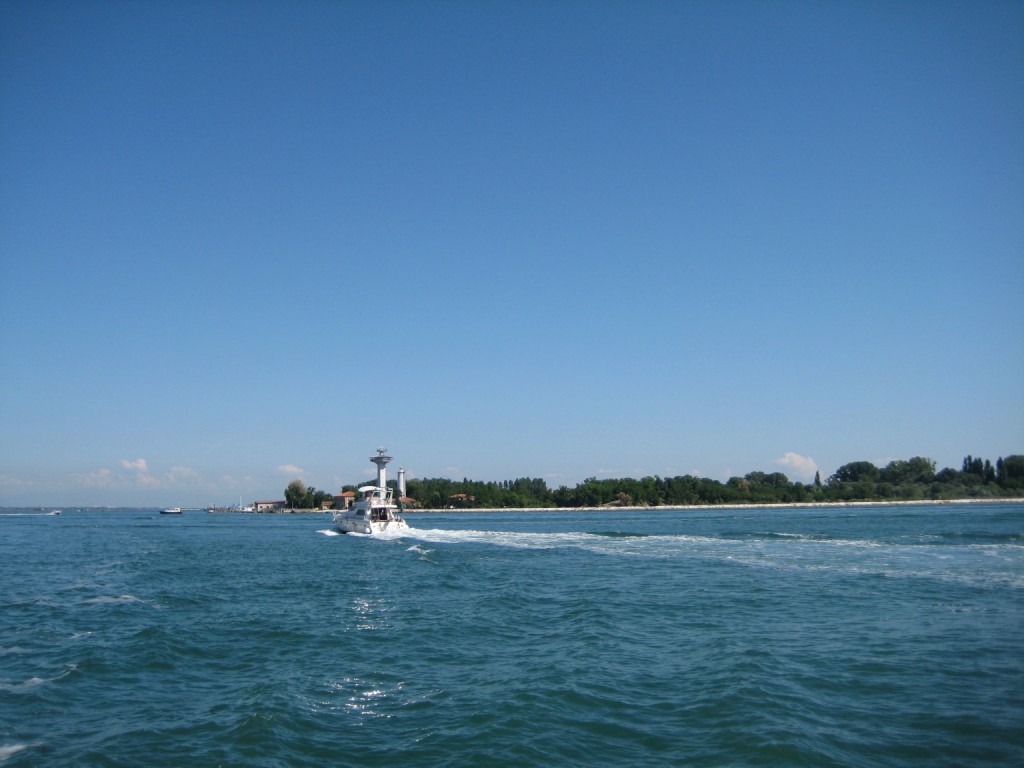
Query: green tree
(921,470)
(916,470)
(973,466)
(1010,472)
(855,472)
(315,498)
(295,494)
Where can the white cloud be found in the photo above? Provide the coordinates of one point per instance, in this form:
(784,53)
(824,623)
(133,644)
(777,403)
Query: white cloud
(135,483)
(290,469)
(142,476)
(98,479)
(803,467)
(139,476)
(13,483)
(179,474)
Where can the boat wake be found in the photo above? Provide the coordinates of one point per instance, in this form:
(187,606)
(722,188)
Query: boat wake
(777,551)
(604,541)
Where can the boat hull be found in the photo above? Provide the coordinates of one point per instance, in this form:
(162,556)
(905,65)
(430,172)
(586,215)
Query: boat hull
(354,524)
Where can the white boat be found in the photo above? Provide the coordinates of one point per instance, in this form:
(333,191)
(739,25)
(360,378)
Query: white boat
(239,508)
(375,511)
(171,511)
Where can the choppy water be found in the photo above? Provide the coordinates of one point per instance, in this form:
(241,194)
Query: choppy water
(849,636)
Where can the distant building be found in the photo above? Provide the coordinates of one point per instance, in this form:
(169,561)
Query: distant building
(344,500)
(268,506)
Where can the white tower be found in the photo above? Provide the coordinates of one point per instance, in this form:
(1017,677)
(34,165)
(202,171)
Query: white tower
(401,482)
(381,461)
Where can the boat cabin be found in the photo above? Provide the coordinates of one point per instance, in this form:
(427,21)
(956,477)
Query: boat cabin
(373,493)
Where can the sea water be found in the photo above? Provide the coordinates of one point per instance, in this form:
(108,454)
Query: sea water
(837,636)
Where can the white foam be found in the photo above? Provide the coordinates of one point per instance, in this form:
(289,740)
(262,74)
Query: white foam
(108,600)
(9,750)
(423,552)
(329,532)
(32,682)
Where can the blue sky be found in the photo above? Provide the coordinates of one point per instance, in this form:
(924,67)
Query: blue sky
(242,242)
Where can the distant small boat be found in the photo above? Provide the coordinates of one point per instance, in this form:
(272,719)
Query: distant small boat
(171,511)
(55,512)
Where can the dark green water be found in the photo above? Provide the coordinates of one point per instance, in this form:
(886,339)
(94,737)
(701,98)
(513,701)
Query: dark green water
(886,636)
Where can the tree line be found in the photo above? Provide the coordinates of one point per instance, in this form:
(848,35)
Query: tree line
(914,479)
(902,480)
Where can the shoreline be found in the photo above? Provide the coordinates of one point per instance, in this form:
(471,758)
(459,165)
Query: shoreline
(41,510)
(661,508)
(766,505)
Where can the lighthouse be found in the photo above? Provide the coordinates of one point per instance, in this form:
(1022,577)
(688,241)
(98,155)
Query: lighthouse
(381,460)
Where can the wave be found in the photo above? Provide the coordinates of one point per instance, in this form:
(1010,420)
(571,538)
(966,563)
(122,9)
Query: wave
(33,682)
(423,551)
(108,600)
(8,751)
(969,538)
